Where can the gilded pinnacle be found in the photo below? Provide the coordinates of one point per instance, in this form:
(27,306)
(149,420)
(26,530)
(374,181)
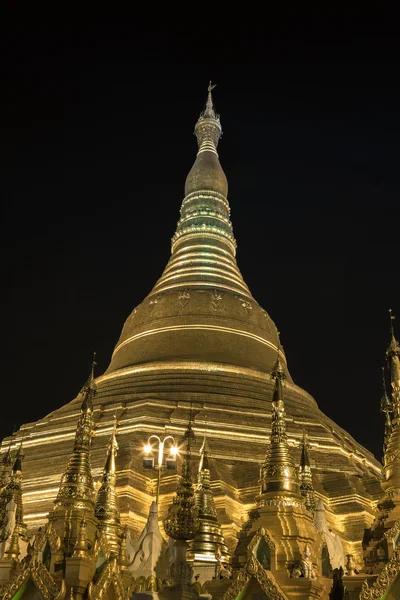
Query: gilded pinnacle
(77,482)
(209,538)
(181,522)
(106,506)
(13,490)
(306,485)
(89,390)
(278,474)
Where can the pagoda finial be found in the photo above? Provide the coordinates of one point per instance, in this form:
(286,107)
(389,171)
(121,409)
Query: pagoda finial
(76,485)
(89,390)
(278,370)
(306,485)
(393,358)
(181,522)
(392,318)
(203,464)
(208,127)
(278,473)
(209,112)
(106,506)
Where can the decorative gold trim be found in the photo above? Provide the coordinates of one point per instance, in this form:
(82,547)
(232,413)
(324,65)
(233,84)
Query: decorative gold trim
(393,532)
(384,580)
(259,535)
(253,568)
(41,578)
(203,327)
(111,574)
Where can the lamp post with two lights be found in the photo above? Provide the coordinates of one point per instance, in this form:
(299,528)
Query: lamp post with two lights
(157,445)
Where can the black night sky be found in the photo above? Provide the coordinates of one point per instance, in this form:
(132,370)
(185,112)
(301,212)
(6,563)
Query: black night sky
(96,141)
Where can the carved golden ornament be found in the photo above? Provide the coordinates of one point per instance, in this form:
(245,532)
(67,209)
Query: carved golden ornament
(110,575)
(47,535)
(102,543)
(41,578)
(259,535)
(181,522)
(140,584)
(384,580)
(253,568)
(393,531)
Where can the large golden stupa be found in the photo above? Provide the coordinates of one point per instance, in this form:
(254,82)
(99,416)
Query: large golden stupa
(200,343)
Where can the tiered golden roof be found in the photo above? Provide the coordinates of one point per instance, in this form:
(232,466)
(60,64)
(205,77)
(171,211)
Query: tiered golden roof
(209,537)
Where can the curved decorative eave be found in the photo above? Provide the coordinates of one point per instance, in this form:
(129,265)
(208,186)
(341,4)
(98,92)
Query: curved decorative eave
(253,568)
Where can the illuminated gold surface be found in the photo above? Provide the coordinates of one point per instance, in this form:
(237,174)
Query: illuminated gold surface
(106,506)
(279,477)
(209,538)
(201,337)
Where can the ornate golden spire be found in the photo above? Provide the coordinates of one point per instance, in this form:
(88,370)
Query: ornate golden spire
(386,409)
(106,507)
(391,458)
(279,477)
(13,490)
(306,485)
(393,357)
(181,522)
(205,210)
(76,486)
(209,537)
(201,291)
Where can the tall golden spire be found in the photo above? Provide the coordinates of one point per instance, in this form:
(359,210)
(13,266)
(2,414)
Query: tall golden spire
(200,308)
(279,477)
(106,506)
(209,536)
(391,458)
(393,357)
(386,409)
(205,218)
(76,488)
(306,485)
(181,522)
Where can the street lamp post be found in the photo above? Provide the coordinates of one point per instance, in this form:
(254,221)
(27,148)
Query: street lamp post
(154,443)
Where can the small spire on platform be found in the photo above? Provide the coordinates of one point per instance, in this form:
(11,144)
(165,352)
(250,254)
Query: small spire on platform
(306,485)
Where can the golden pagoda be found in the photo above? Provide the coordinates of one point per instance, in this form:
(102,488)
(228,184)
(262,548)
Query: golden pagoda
(199,341)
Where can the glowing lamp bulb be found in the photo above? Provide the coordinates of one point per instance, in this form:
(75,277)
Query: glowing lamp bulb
(147,449)
(174,450)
